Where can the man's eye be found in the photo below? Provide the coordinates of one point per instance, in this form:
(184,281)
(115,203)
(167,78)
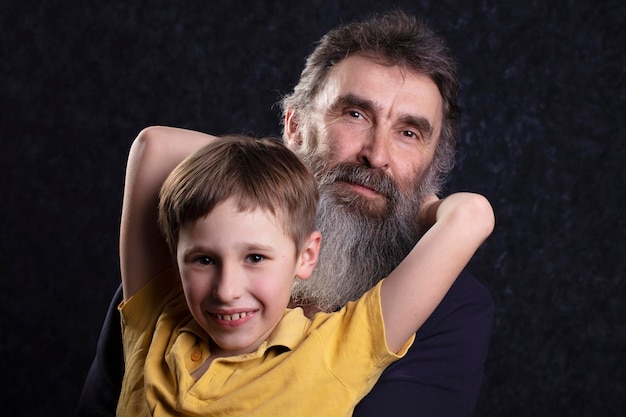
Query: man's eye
(410,134)
(355,114)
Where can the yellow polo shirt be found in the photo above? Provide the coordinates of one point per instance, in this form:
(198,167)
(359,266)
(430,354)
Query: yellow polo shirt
(318,367)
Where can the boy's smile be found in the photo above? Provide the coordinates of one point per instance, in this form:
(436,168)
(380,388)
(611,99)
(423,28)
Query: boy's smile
(232,320)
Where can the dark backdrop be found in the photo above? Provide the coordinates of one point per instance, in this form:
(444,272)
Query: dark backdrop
(542,136)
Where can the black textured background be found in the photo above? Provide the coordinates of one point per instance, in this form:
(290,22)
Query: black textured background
(542,136)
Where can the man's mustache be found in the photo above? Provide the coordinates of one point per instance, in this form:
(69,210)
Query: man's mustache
(372,178)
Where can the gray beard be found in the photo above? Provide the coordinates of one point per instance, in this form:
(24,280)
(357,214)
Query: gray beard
(359,246)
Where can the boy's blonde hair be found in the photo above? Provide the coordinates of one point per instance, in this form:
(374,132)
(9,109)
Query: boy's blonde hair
(258,173)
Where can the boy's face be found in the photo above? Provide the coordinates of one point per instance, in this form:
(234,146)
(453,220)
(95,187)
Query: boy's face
(237,270)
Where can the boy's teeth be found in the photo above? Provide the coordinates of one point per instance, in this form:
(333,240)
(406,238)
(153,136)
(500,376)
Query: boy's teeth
(230,317)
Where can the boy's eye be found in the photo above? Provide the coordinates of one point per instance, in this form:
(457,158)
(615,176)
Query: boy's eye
(255,258)
(203,260)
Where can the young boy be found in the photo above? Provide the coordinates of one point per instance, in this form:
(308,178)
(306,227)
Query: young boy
(213,337)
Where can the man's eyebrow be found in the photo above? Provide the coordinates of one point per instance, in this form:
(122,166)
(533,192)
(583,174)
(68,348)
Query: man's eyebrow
(355,101)
(420,123)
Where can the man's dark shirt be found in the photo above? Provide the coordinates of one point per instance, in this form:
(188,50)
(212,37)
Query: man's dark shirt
(440,375)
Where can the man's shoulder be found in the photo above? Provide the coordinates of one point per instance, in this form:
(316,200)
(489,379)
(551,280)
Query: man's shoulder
(442,372)
(467,303)
(468,290)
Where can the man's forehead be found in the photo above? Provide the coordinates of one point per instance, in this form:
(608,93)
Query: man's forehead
(383,86)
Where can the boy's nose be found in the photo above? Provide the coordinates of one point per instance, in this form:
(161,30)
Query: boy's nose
(228,286)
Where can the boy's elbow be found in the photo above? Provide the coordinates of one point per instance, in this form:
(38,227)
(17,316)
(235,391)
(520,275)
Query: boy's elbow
(149,135)
(152,131)
(474,213)
(150,140)
(481,213)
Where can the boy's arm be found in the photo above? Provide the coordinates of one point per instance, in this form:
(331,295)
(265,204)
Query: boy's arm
(414,289)
(153,155)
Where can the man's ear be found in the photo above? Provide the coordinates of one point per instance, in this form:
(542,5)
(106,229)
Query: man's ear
(308,256)
(291,128)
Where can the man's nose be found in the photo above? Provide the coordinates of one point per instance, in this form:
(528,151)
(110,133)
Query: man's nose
(375,152)
(229,284)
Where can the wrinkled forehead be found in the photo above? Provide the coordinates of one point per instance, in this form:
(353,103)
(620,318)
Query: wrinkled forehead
(392,90)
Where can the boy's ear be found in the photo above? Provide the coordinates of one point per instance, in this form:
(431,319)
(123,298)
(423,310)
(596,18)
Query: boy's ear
(308,256)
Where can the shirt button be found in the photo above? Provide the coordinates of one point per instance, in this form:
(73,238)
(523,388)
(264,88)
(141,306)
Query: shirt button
(196,355)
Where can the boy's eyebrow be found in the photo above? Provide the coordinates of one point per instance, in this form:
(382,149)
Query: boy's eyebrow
(256,246)
(418,122)
(246,246)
